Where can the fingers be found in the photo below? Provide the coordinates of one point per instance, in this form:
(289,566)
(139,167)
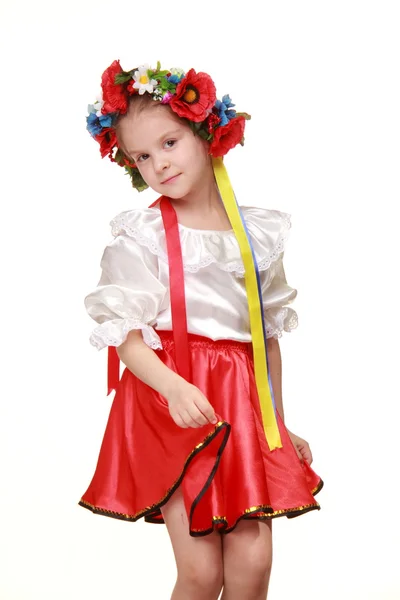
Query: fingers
(193,416)
(179,421)
(306,453)
(190,408)
(190,417)
(206,409)
(299,454)
(302,448)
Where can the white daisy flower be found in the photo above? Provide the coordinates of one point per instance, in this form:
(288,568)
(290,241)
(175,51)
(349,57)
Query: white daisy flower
(142,81)
(114,151)
(98,105)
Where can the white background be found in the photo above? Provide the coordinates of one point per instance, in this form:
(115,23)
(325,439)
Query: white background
(321,80)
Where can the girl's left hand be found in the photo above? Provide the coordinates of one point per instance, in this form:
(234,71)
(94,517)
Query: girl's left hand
(302,447)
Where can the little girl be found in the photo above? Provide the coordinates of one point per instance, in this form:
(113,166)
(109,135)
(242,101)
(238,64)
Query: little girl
(192,299)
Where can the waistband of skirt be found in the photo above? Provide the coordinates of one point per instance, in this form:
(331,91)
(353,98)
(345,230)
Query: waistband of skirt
(167,340)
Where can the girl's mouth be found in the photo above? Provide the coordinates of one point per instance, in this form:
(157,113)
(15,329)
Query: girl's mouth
(171,179)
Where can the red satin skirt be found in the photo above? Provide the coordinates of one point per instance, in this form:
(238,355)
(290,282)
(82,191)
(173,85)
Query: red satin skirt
(226,471)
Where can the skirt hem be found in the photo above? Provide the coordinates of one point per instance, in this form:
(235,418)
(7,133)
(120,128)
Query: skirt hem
(221,426)
(152,514)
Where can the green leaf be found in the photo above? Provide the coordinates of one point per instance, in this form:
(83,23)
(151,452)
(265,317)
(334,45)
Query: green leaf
(119,157)
(122,77)
(162,73)
(158,66)
(167,86)
(164,84)
(203,134)
(243,114)
(137,180)
(199,129)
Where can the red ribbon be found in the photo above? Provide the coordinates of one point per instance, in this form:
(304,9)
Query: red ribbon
(112,370)
(177,289)
(178,300)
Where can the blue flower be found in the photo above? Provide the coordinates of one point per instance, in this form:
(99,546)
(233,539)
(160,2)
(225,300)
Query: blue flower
(96,124)
(175,79)
(224,108)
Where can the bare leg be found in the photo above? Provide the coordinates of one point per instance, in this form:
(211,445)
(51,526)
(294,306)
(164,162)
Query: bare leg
(198,560)
(247,559)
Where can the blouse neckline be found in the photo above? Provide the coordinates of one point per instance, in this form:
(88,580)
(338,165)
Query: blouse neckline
(208,231)
(199,231)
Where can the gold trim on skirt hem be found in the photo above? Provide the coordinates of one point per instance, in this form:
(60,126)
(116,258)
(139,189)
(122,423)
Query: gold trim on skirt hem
(150,509)
(220,523)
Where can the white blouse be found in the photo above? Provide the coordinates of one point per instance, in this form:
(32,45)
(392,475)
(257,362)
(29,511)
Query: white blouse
(133,291)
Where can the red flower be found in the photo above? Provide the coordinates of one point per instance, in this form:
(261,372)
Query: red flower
(121,159)
(129,163)
(130,89)
(195,96)
(107,140)
(212,122)
(228,136)
(114,96)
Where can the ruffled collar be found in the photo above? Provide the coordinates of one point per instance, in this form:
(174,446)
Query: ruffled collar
(268,231)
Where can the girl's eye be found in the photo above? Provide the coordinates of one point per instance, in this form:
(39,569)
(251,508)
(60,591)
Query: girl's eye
(170,143)
(142,157)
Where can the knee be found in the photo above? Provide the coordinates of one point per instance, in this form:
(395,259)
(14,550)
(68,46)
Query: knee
(201,578)
(257,567)
(251,572)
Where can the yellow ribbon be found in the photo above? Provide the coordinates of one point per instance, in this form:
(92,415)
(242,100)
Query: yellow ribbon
(255,307)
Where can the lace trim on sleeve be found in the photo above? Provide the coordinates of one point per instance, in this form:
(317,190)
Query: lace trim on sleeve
(278,320)
(115,331)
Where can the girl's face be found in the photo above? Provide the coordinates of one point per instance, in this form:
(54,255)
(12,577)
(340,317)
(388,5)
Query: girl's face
(172,160)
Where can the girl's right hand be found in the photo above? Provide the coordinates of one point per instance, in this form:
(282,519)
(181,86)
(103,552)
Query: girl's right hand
(188,406)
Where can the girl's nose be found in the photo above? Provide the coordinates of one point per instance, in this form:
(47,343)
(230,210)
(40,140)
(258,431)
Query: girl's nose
(161,165)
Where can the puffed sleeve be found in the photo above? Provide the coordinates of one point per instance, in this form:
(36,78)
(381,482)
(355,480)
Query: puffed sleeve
(128,296)
(277,294)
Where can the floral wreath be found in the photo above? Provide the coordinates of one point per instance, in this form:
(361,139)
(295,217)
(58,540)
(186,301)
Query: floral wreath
(191,95)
